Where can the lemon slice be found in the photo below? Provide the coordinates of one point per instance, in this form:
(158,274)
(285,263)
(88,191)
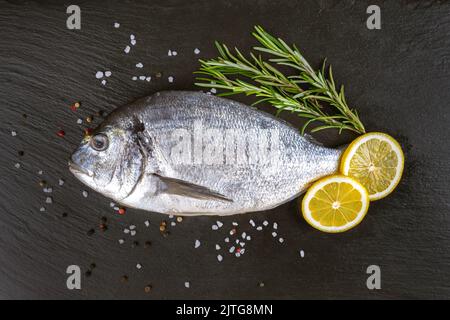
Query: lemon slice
(335,204)
(376,160)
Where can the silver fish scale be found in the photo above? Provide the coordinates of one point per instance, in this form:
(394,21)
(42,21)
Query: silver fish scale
(261,185)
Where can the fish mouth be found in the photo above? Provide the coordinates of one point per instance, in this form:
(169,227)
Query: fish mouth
(76,168)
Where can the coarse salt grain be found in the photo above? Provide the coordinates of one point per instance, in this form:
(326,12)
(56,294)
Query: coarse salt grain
(259,228)
(121,241)
(232,249)
(132,227)
(173,223)
(61,182)
(17,165)
(49,200)
(274,234)
(219,224)
(187,284)
(108,73)
(252,223)
(79,121)
(134,78)
(275,225)
(133,42)
(116,25)
(219,258)
(142,78)
(238,254)
(170,79)
(227,239)
(112,204)
(265,223)
(174,53)
(133,233)
(196,51)
(213,90)
(139,266)
(244,235)
(126,231)
(41,209)
(103,82)
(302,253)
(197,244)
(214,227)
(13,133)
(147,223)
(127,49)
(169,53)
(99,75)
(217,247)
(235,224)
(148,79)
(281,240)
(132,37)
(242,244)
(85,193)
(139,65)
(248,238)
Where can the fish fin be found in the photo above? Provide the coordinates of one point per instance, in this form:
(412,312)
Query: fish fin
(187,189)
(311,139)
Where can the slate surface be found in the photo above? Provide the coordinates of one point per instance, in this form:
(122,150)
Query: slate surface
(396,77)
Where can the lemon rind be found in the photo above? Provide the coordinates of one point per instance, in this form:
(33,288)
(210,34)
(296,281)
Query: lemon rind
(351,150)
(307,214)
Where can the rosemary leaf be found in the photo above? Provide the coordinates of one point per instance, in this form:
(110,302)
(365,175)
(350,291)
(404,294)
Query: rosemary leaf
(301,93)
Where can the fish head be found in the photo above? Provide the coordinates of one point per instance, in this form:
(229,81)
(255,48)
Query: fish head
(109,161)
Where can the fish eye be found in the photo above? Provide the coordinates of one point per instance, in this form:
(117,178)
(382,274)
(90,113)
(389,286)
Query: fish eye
(99,142)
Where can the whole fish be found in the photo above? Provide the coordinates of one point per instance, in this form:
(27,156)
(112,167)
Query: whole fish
(189,153)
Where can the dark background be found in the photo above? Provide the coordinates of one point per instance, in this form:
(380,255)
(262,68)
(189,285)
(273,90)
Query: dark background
(396,77)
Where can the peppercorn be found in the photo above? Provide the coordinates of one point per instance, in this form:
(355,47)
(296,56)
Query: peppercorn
(148,288)
(75,106)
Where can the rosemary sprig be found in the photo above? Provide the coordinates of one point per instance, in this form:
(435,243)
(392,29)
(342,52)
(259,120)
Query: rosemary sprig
(302,93)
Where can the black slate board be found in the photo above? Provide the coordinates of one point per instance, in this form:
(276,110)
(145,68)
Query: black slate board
(396,77)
